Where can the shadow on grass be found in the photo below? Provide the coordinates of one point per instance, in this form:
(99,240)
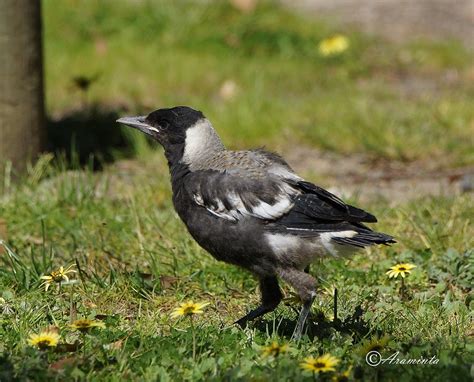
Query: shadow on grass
(317,326)
(90,136)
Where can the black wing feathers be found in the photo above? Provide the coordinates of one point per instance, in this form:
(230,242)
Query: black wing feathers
(321,192)
(317,210)
(321,204)
(365,238)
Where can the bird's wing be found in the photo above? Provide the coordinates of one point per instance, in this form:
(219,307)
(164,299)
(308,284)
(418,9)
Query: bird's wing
(314,204)
(263,185)
(232,195)
(310,202)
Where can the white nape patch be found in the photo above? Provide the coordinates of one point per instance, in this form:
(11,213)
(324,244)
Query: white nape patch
(272,211)
(329,245)
(283,244)
(201,140)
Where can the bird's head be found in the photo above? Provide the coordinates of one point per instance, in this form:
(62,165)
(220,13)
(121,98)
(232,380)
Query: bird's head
(185,134)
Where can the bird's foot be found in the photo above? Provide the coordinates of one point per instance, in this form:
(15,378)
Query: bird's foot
(298,332)
(253,314)
(242,322)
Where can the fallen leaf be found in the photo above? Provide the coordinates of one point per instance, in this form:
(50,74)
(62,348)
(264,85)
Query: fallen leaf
(168,281)
(62,363)
(89,304)
(117,345)
(68,348)
(145,276)
(245,6)
(36,240)
(228,90)
(101,46)
(52,329)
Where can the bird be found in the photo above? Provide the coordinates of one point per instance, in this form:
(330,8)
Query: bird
(249,208)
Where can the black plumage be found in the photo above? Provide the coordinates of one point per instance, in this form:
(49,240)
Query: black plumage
(250,209)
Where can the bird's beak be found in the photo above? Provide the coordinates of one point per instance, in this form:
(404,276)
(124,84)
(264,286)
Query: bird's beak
(139,123)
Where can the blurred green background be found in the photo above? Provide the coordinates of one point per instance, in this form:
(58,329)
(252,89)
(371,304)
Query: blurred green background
(260,78)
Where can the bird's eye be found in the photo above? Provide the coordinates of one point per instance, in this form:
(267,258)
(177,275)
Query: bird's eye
(164,125)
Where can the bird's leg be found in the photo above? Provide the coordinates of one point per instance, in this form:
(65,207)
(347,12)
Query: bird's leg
(271,297)
(305,286)
(302,318)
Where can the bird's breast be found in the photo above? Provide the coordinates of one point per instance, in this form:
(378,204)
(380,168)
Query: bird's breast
(236,242)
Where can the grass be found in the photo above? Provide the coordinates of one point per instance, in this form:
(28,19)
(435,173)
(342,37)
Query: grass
(403,102)
(134,260)
(136,263)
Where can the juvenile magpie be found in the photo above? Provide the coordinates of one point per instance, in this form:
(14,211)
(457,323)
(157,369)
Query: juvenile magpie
(249,208)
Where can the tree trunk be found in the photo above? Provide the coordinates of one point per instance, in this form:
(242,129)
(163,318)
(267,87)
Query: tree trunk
(22,127)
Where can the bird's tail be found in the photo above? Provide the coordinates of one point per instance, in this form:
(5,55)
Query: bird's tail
(364,238)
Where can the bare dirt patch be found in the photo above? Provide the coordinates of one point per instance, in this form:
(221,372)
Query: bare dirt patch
(398,20)
(362,177)
(354,176)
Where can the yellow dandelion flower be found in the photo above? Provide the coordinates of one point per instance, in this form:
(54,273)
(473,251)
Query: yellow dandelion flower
(333,45)
(189,308)
(321,364)
(400,269)
(373,344)
(274,349)
(57,276)
(84,325)
(343,377)
(44,340)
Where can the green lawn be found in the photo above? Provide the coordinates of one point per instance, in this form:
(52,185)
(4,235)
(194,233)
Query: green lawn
(136,263)
(405,102)
(133,259)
